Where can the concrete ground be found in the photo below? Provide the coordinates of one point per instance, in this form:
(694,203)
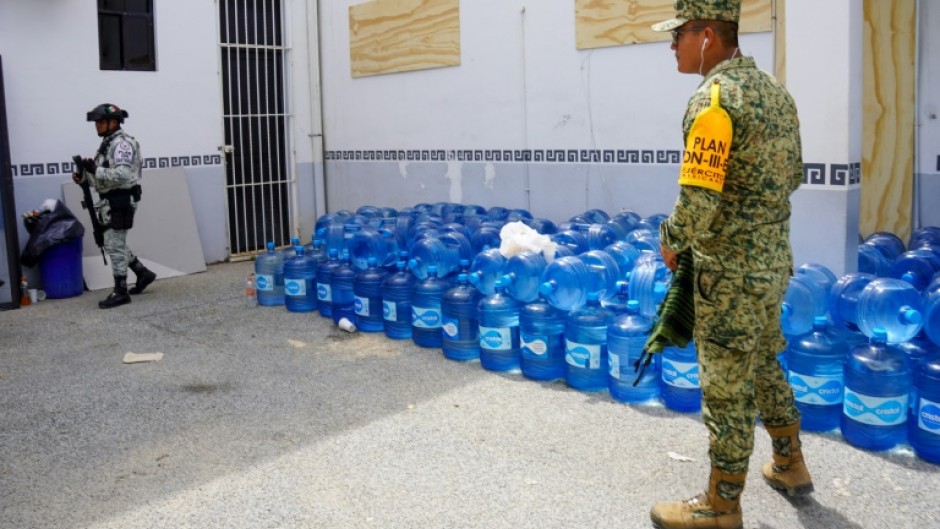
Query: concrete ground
(262,418)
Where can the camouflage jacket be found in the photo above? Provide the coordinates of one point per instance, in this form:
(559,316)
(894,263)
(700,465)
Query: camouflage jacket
(746,227)
(118,160)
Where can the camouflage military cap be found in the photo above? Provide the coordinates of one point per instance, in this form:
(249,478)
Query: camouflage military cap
(686,10)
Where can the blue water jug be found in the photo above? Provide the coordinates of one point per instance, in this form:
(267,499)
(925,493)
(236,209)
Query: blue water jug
(892,304)
(461,332)
(843,299)
(367,289)
(618,303)
(932,287)
(300,282)
(325,284)
(649,281)
(802,302)
(542,341)
(600,236)
(543,226)
(334,235)
(486,236)
(605,272)
(518,215)
(443,252)
(564,283)
(379,244)
(625,254)
(644,240)
(925,235)
(925,430)
(524,275)
(426,318)
(816,364)
(595,215)
(681,389)
(485,269)
(917,267)
(889,244)
(316,250)
(819,274)
(627,220)
(498,315)
(343,298)
(877,388)
(574,240)
(269,277)
(932,316)
(626,337)
(586,362)
(291,251)
(872,261)
(397,289)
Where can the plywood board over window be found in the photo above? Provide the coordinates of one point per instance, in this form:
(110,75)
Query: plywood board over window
(387,36)
(890,48)
(602,23)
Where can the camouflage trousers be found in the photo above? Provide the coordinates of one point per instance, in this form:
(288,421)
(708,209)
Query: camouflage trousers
(738,336)
(115,243)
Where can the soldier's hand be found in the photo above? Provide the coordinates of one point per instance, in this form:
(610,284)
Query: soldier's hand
(77,178)
(672,262)
(89,165)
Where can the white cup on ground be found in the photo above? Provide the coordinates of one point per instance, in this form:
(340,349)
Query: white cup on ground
(36,295)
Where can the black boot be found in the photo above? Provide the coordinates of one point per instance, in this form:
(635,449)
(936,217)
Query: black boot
(118,296)
(144,276)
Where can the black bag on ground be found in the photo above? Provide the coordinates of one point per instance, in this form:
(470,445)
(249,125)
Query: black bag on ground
(51,228)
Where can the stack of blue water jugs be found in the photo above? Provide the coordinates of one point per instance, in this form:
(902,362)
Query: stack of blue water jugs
(862,350)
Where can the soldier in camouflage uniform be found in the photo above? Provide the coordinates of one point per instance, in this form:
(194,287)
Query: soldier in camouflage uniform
(736,225)
(115,172)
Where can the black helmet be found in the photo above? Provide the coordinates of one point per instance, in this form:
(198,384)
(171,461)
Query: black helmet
(107,111)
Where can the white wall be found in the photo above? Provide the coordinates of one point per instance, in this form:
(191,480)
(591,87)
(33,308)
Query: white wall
(52,76)
(928,116)
(50,54)
(521,85)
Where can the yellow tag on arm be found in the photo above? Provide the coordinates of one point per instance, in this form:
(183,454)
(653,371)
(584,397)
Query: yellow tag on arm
(706,151)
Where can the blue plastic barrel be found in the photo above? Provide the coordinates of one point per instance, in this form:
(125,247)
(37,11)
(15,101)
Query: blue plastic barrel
(60,268)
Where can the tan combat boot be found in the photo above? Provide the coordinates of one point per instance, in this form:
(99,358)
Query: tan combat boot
(787,471)
(710,510)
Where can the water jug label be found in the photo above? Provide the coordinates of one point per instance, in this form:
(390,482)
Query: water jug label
(682,375)
(451,328)
(390,310)
(928,416)
(822,391)
(425,318)
(264,282)
(586,356)
(613,366)
(295,287)
(876,411)
(362,306)
(496,338)
(324,292)
(533,344)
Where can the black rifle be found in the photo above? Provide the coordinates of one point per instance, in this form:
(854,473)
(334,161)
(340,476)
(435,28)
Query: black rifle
(89,204)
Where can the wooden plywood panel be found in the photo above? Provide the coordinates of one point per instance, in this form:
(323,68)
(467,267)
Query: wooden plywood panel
(780,41)
(888,116)
(387,36)
(602,23)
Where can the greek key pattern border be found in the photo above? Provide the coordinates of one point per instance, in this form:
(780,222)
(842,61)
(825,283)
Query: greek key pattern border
(814,174)
(57,168)
(624,156)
